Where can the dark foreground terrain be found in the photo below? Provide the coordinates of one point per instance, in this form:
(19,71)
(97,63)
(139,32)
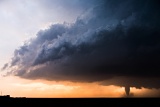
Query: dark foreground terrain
(78,102)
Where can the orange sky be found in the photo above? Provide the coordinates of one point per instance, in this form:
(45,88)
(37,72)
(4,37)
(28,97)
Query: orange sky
(17,87)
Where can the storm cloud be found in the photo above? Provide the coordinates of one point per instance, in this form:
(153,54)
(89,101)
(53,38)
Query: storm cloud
(112,38)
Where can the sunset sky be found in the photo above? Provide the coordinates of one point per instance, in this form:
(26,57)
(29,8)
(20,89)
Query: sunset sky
(80,48)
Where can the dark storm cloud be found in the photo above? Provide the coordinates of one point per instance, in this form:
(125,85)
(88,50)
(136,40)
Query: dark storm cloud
(138,82)
(112,38)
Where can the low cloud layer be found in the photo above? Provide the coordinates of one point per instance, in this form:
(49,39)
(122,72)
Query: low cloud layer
(112,38)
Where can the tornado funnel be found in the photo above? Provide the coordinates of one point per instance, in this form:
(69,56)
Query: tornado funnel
(127,90)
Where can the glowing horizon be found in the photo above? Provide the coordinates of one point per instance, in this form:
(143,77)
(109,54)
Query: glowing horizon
(66,89)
